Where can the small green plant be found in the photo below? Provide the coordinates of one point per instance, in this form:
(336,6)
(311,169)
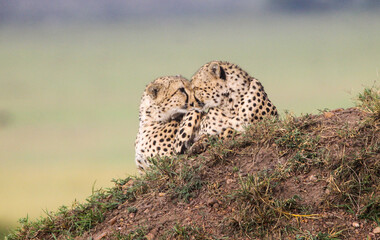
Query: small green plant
(186,183)
(181,180)
(291,139)
(369,101)
(139,187)
(332,235)
(162,166)
(218,151)
(138,234)
(260,133)
(184,232)
(353,181)
(132,209)
(371,210)
(302,148)
(323,110)
(257,209)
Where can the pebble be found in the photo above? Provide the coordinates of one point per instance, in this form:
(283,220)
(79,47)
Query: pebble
(113,220)
(328,114)
(376,230)
(229,181)
(150,236)
(100,236)
(355,224)
(313,178)
(211,202)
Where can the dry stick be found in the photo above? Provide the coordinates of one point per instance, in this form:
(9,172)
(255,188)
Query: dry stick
(291,214)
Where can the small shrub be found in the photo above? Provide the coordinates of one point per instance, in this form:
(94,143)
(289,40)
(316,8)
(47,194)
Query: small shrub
(183,232)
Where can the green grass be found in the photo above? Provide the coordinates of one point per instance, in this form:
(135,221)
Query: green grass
(333,235)
(73,221)
(80,217)
(181,182)
(69,95)
(138,234)
(183,232)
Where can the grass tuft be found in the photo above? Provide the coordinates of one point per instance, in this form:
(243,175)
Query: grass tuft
(258,211)
(180,180)
(137,234)
(332,235)
(369,101)
(186,232)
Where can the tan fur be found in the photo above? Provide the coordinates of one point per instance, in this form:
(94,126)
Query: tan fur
(233,99)
(162,107)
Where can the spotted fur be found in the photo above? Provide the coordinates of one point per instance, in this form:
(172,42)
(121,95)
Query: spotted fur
(163,105)
(233,99)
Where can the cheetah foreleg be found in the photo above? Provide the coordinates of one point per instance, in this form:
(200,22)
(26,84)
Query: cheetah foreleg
(188,131)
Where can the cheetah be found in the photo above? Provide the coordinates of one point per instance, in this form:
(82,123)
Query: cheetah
(232,99)
(164,103)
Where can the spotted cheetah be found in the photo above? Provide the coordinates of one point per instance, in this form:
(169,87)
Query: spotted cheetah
(233,99)
(163,105)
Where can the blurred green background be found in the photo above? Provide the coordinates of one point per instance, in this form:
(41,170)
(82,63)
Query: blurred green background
(70,91)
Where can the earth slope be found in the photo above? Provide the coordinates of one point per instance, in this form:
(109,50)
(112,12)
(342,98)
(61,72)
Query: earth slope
(308,177)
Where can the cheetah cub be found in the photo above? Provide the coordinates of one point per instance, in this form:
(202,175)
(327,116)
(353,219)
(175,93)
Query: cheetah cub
(163,105)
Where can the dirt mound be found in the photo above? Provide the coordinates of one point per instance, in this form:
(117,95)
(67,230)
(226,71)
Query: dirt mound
(309,177)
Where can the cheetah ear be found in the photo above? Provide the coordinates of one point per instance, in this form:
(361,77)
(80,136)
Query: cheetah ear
(153,90)
(217,71)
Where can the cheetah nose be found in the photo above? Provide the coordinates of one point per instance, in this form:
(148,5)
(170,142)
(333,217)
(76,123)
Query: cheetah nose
(200,104)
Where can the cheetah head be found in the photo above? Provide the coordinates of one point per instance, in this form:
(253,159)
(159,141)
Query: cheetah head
(167,98)
(209,84)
